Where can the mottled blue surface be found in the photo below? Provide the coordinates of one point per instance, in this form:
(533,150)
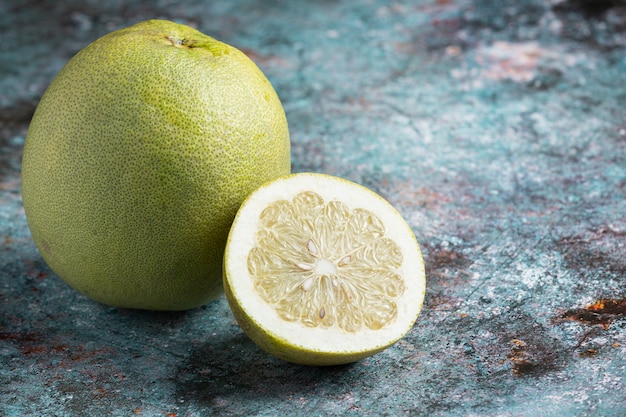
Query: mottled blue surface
(497,128)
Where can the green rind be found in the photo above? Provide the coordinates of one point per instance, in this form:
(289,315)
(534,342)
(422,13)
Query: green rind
(137,159)
(289,351)
(282,349)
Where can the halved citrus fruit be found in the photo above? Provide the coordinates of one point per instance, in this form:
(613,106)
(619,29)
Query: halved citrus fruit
(319,270)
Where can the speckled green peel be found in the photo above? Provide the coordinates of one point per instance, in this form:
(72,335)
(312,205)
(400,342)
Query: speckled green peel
(138,157)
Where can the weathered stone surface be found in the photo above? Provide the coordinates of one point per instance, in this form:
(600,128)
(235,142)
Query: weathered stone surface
(497,128)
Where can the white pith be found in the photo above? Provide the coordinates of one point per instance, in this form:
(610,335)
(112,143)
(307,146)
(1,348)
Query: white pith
(323,338)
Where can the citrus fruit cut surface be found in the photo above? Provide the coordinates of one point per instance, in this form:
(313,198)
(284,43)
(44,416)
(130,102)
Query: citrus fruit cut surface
(321,271)
(138,157)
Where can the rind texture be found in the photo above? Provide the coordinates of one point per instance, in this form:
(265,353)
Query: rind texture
(138,157)
(292,341)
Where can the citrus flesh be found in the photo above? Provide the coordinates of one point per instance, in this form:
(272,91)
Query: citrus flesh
(137,158)
(322,271)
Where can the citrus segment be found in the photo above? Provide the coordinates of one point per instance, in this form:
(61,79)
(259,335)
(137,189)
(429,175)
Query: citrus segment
(333,272)
(319,270)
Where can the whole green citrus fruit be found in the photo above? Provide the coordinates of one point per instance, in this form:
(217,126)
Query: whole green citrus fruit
(139,155)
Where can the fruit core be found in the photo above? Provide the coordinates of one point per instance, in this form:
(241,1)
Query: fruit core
(324,265)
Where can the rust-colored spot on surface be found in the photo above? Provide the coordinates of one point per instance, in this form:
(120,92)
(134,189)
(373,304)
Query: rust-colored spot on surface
(617,307)
(60,348)
(34,350)
(41,275)
(589,353)
(444,263)
(30,343)
(602,312)
(521,361)
(19,337)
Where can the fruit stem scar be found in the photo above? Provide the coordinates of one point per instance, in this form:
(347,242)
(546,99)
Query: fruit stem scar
(180,43)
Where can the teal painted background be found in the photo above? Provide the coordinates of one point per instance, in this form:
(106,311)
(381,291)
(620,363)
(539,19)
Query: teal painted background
(497,128)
